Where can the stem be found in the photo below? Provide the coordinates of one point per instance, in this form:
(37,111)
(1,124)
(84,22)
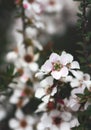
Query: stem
(84,30)
(23,21)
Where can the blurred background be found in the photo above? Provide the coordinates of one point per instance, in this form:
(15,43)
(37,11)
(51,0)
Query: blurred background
(61,31)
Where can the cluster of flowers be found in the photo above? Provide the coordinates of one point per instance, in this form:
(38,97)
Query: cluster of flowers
(56,112)
(61,70)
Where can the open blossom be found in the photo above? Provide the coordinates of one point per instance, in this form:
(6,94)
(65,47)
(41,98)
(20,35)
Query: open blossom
(59,65)
(81,80)
(32,5)
(72,103)
(22,57)
(21,121)
(21,96)
(56,120)
(38,6)
(53,6)
(46,87)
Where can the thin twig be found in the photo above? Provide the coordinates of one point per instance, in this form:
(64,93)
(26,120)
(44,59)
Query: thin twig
(23,21)
(84,30)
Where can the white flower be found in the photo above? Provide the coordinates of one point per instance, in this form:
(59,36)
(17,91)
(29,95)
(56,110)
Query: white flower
(51,5)
(21,96)
(45,92)
(56,120)
(21,122)
(59,66)
(46,87)
(13,55)
(33,6)
(23,74)
(26,4)
(67,79)
(81,80)
(28,58)
(3,113)
(72,103)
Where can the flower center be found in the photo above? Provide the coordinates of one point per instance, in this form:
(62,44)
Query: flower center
(52,2)
(20,71)
(23,123)
(57,66)
(56,120)
(48,90)
(20,102)
(28,58)
(50,105)
(28,91)
(31,1)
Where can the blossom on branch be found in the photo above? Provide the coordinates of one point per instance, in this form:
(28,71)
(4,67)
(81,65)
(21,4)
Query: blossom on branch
(59,65)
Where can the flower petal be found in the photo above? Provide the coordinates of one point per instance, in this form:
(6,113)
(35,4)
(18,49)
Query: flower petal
(46,120)
(56,74)
(74,123)
(20,128)
(47,82)
(64,71)
(79,90)
(30,120)
(54,57)
(75,83)
(77,74)
(46,98)
(13,99)
(54,127)
(33,66)
(11,56)
(41,107)
(40,126)
(13,123)
(40,92)
(65,126)
(47,67)
(75,65)
(66,116)
(73,104)
(3,113)
(28,128)
(66,58)
(19,114)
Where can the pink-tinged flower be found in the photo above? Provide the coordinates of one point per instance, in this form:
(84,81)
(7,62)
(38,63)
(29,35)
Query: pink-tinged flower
(59,66)
(54,6)
(33,6)
(45,87)
(26,4)
(21,121)
(56,120)
(72,103)
(21,96)
(81,80)
(23,74)
(46,91)
(51,6)
(22,57)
